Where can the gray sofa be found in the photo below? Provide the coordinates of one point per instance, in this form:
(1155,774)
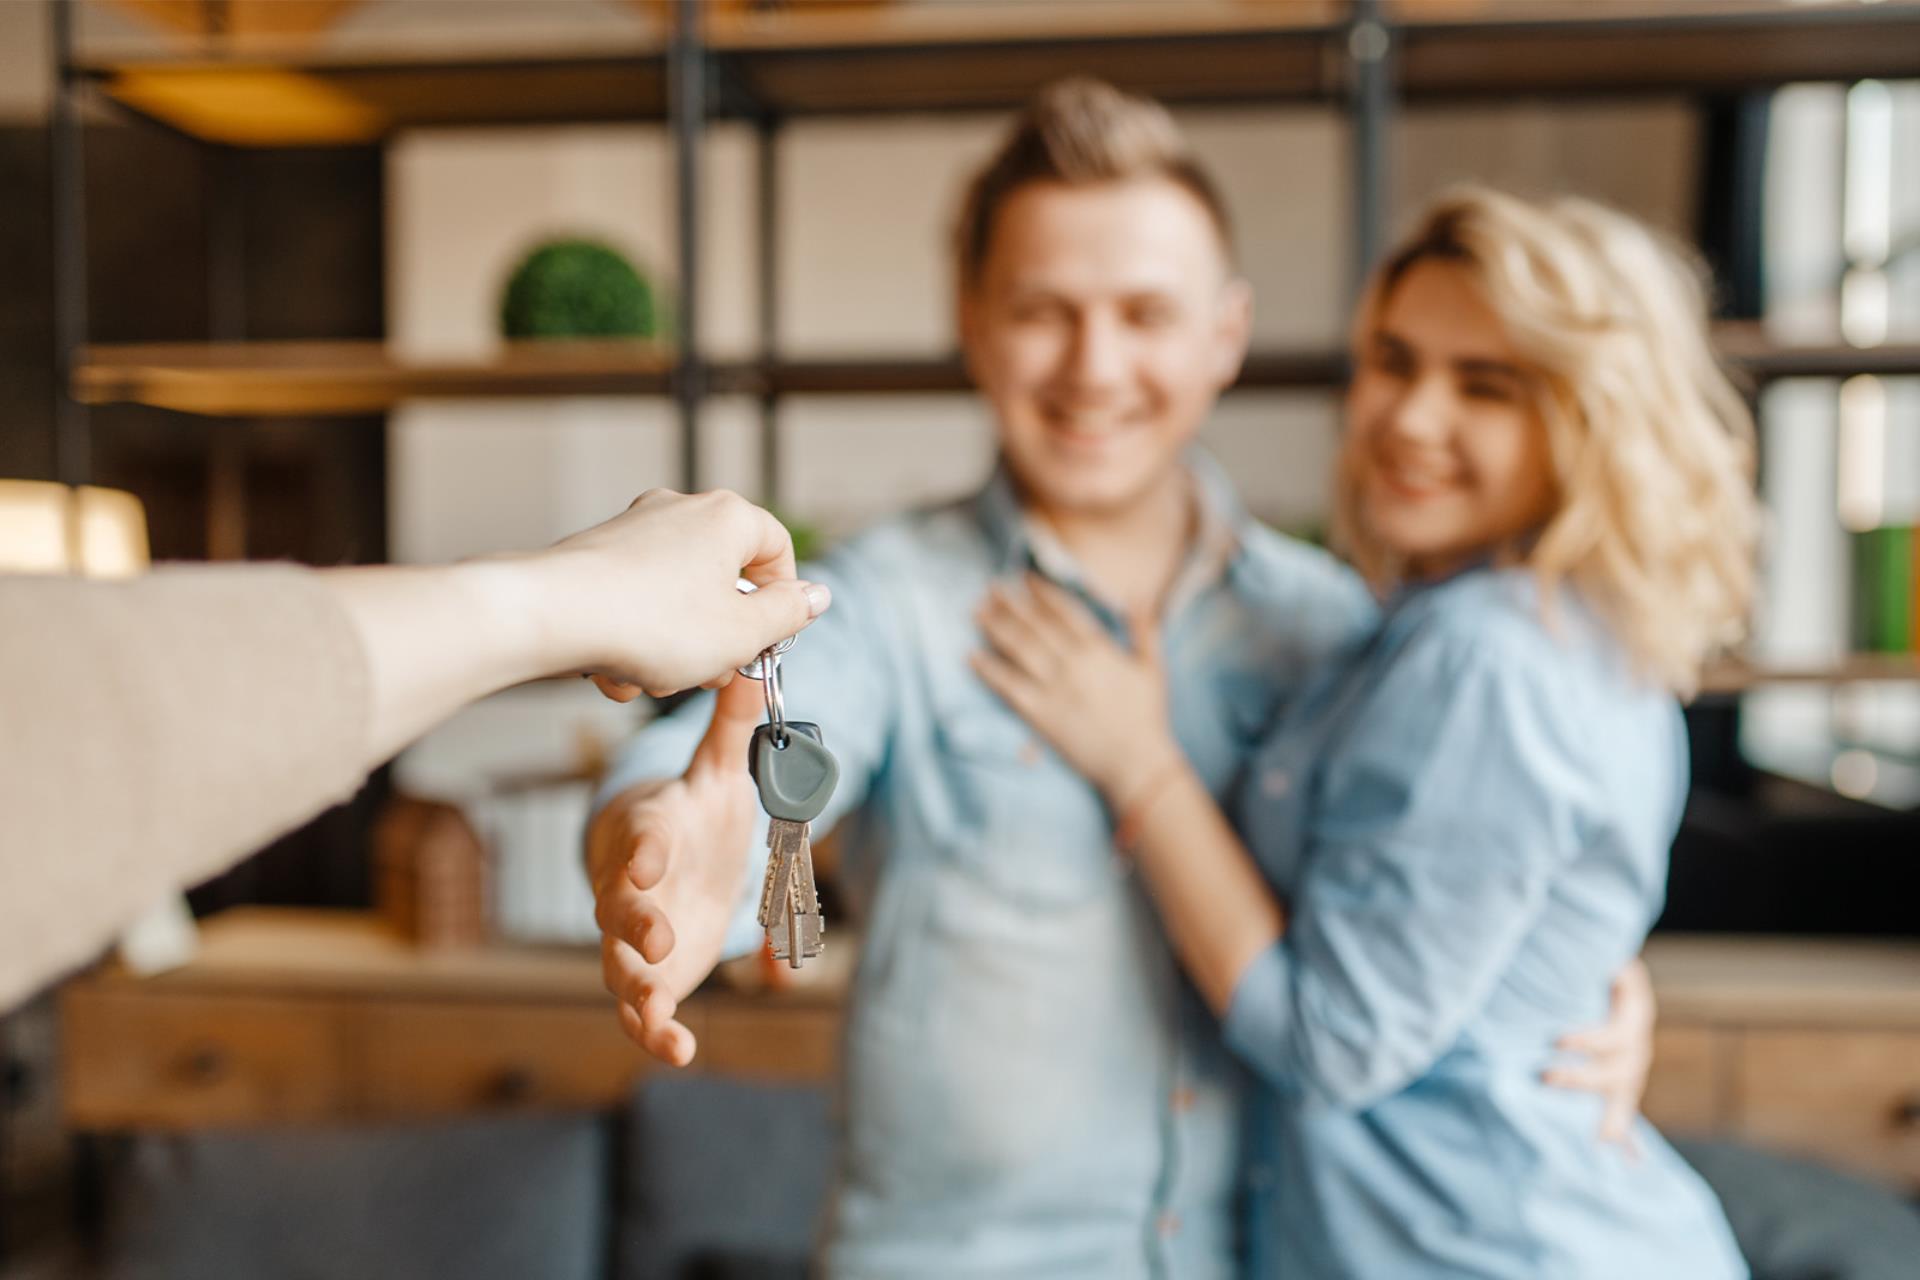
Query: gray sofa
(698,1179)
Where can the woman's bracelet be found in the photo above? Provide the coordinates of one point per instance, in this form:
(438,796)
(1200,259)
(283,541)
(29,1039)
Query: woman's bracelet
(1126,830)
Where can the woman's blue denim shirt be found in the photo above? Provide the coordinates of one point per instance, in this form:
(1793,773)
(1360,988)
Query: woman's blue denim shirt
(1470,822)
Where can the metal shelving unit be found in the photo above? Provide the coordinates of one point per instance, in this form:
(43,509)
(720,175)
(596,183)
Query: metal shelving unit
(770,66)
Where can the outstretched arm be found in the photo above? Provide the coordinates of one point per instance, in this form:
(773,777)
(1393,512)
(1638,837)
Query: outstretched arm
(645,601)
(155,730)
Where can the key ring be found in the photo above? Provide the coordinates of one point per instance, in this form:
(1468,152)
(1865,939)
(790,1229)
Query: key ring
(776,698)
(757,669)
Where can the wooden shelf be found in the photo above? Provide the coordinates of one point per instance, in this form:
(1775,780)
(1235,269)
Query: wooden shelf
(263,379)
(314,379)
(325,1017)
(1498,48)
(1746,346)
(299,379)
(1785,980)
(1738,677)
(251,103)
(1740,344)
(928,61)
(1272,370)
(991,56)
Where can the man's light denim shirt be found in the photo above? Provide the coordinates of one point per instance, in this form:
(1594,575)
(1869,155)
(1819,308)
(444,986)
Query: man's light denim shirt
(1030,1087)
(1470,820)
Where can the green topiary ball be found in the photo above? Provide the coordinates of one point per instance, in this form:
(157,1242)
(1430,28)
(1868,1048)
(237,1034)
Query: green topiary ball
(577,289)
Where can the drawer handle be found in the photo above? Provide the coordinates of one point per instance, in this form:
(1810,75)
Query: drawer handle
(1907,1114)
(205,1065)
(511,1087)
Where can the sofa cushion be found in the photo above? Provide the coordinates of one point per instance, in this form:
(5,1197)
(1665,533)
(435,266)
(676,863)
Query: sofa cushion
(722,1178)
(1798,1220)
(498,1198)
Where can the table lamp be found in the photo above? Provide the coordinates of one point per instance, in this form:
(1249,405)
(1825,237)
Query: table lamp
(85,531)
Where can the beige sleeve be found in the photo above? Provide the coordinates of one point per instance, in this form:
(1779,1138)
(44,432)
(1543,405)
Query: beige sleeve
(153,732)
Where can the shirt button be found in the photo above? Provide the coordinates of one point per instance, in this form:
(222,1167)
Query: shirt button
(1183,1100)
(1276,783)
(1030,753)
(1169,1224)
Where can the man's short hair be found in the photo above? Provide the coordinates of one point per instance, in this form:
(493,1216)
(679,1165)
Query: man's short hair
(1082,131)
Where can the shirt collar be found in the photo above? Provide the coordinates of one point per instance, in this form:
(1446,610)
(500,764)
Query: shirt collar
(1020,543)
(1220,535)
(1515,554)
(997,508)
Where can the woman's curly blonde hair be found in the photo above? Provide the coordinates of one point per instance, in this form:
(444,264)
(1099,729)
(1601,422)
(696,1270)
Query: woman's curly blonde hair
(1656,520)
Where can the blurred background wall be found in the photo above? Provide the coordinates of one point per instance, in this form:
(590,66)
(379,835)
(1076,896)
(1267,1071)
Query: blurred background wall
(866,213)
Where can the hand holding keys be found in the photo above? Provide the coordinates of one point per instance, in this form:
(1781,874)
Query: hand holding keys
(796,775)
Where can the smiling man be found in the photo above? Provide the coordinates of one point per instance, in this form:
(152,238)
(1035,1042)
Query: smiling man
(1031,1088)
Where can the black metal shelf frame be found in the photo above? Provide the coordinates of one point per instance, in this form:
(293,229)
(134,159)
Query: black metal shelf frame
(702,84)
(72,436)
(1369,64)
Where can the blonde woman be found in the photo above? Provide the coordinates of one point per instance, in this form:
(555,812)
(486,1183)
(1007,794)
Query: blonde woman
(1460,832)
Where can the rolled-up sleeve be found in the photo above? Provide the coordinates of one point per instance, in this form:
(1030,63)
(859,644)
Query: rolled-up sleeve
(839,674)
(1448,806)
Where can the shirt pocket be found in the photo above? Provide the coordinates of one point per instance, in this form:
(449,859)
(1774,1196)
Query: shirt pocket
(1026,825)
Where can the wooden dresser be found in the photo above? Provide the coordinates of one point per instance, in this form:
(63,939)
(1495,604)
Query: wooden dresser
(306,1016)
(301,1017)
(1803,1045)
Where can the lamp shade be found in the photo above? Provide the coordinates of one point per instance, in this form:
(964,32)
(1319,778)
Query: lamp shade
(86,531)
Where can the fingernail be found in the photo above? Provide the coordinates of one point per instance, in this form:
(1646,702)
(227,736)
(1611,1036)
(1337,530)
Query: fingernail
(818,598)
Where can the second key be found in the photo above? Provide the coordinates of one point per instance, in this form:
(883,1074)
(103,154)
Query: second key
(796,776)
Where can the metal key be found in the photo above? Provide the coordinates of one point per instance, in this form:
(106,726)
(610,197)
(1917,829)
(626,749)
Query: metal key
(795,781)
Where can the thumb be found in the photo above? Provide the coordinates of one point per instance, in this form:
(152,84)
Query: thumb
(736,710)
(782,608)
